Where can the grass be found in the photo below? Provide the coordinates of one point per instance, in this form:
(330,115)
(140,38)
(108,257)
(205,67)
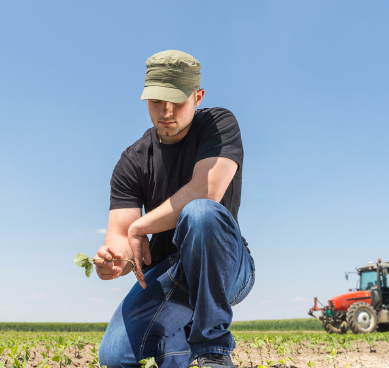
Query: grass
(302,324)
(305,324)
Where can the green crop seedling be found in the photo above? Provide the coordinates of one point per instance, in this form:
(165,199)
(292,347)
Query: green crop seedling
(84,261)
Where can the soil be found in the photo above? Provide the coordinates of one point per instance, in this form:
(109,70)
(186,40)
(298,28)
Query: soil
(379,358)
(363,358)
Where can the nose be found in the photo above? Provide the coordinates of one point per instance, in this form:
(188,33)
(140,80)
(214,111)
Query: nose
(167,109)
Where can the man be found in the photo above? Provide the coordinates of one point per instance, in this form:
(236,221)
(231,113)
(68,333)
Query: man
(186,172)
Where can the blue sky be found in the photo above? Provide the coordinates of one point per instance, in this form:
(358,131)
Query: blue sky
(308,82)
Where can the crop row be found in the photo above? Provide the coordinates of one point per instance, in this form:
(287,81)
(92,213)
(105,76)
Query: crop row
(303,324)
(258,349)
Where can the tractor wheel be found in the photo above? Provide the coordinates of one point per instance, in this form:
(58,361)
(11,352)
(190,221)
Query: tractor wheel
(362,318)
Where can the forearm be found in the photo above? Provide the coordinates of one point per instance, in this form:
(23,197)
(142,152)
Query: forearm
(165,216)
(210,180)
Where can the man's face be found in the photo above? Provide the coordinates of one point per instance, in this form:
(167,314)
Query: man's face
(172,120)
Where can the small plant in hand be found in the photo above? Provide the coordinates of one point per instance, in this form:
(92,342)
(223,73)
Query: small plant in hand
(86,262)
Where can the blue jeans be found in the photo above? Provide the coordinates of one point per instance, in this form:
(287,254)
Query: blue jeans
(185,309)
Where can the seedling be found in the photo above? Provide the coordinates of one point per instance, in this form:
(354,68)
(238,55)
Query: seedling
(332,357)
(44,361)
(148,363)
(84,261)
(60,356)
(14,355)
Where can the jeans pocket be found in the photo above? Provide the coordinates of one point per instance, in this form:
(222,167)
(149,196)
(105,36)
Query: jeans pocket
(173,258)
(246,290)
(176,272)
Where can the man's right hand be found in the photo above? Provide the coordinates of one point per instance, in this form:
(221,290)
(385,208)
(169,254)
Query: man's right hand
(107,269)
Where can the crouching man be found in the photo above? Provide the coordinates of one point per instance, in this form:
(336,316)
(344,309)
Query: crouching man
(186,171)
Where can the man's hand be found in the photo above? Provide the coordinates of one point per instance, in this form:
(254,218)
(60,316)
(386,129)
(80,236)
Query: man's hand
(140,247)
(108,269)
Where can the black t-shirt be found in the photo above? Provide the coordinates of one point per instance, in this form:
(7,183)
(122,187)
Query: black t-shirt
(149,172)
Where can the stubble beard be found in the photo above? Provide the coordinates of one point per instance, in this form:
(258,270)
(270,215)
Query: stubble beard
(169,133)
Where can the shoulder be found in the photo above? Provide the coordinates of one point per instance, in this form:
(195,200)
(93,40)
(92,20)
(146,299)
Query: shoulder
(215,119)
(214,113)
(140,147)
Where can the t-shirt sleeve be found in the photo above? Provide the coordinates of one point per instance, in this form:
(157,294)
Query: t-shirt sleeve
(219,136)
(125,185)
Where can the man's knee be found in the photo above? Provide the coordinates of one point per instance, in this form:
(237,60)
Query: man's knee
(201,211)
(109,357)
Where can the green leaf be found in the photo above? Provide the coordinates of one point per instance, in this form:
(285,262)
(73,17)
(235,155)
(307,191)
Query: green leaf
(61,340)
(26,357)
(43,362)
(14,349)
(2,364)
(80,259)
(151,363)
(56,358)
(88,269)
(17,363)
(148,363)
(68,361)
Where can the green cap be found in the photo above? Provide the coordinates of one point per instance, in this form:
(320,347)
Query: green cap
(171,76)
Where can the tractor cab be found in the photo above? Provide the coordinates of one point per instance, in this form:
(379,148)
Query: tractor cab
(375,277)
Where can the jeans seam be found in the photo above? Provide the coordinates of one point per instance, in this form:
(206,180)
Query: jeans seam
(155,317)
(176,282)
(247,285)
(225,272)
(173,353)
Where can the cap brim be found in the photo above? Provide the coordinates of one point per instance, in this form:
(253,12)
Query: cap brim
(165,94)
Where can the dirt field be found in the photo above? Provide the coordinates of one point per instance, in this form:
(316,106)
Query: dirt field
(362,359)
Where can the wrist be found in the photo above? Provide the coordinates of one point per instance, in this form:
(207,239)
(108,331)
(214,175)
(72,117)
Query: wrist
(136,228)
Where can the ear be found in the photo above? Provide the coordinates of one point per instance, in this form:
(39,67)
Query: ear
(199,96)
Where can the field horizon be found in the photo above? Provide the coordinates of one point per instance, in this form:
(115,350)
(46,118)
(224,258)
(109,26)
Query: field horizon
(296,324)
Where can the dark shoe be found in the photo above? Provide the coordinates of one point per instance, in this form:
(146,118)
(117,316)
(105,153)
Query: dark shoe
(215,361)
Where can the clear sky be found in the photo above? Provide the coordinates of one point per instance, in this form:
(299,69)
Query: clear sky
(308,82)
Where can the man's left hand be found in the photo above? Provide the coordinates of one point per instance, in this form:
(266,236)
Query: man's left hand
(140,247)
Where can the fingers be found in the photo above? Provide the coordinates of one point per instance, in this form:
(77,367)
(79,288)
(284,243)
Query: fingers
(105,267)
(108,273)
(105,252)
(146,250)
(138,263)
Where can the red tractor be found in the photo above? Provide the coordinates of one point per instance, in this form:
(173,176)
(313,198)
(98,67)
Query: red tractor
(362,310)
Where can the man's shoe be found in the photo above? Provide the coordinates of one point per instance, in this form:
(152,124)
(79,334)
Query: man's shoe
(215,361)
